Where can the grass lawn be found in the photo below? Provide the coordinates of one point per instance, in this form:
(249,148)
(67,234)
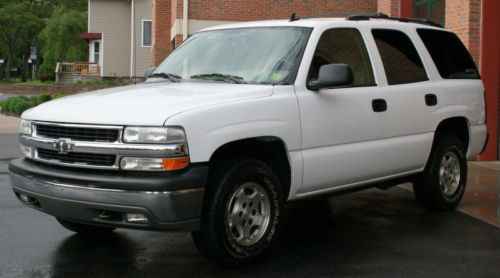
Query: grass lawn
(17,81)
(35,83)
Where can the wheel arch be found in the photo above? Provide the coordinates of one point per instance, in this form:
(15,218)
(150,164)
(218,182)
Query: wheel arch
(458,125)
(270,149)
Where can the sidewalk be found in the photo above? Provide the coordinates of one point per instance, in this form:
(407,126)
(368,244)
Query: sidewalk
(9,124)
(482,196)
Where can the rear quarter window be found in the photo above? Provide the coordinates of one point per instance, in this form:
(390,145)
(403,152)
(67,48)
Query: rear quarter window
(449,54)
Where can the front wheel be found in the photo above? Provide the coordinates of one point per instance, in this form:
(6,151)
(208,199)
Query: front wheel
(242,214)
(442,185)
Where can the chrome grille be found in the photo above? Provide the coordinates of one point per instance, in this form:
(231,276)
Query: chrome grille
(77,158)
(89,146)
(86,134)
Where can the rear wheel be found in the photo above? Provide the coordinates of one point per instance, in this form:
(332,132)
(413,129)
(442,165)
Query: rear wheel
(84,229)
(242,214)
(442,185)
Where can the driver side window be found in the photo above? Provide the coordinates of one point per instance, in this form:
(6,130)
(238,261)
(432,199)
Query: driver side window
(343,46)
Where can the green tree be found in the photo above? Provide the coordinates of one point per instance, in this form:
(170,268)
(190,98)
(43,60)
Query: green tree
(79,5)
(19,26)
(61,39)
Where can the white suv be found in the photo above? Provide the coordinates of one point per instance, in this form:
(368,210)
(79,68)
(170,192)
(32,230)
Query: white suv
(243,118)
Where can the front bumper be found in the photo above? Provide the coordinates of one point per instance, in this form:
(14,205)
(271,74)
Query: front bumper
(170,201)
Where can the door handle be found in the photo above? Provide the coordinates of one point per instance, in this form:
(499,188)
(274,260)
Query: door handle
(431,99)
(379,105)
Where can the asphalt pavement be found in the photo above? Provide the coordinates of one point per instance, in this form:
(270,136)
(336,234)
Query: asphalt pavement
(373,233)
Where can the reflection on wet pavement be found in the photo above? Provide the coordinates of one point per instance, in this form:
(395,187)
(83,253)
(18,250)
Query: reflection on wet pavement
(482,197)
(372,233)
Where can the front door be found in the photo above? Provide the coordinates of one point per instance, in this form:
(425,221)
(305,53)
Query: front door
(344,130)
(95,51)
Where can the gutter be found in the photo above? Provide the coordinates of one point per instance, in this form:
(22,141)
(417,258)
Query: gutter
(185,20)
(132,38)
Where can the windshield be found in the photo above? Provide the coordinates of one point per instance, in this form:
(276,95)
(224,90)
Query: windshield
(268,55)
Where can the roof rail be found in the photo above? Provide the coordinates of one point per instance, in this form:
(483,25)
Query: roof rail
(369,16)
(294,17)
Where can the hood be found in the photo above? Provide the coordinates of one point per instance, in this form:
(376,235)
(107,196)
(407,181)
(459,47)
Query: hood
(142,104)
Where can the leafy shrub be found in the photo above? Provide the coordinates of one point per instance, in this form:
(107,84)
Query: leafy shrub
(22,106)
(58,95)
(43,98)
(19,104)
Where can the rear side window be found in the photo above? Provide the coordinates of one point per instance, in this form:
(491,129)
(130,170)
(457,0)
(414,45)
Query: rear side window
(401,61)
(449,54)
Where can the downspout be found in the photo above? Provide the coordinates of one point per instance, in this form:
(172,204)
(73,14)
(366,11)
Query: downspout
(185,20)
(132,39)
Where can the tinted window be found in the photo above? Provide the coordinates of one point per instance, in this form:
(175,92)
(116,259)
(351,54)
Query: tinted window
(399,56)
(452,59)
(343,46)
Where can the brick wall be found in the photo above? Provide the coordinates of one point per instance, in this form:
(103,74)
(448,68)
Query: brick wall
(464,18)
(246,10)
(389,7)
(161,30)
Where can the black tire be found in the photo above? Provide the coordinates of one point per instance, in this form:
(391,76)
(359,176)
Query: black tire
(84,229)
(429,191)
(216,239)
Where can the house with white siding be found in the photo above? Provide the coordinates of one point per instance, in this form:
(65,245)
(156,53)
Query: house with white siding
(120,37)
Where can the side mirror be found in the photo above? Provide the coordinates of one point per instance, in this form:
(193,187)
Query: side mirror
(332,75)
(150,71)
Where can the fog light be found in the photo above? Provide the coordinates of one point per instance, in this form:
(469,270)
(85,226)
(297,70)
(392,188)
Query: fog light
(137,218)
(27,199)
(26,151)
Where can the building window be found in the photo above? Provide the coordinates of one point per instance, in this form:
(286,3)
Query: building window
(430,9)
(146,33)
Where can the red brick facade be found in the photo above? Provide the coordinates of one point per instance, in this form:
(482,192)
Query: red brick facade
(161,30)
(389,7)
(248,10)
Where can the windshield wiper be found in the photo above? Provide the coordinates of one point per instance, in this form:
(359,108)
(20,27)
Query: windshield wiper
(170,76)
(220,77)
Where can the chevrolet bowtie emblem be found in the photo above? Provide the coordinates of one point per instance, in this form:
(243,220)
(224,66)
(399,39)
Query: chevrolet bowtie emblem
(63,145)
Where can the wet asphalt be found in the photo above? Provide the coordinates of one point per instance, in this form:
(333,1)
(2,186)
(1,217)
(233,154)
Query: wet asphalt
(367,234)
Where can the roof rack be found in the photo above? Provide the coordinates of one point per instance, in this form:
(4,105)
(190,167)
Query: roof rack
(369,16)
(294,17)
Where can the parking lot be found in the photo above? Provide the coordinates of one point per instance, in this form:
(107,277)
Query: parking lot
(368,234)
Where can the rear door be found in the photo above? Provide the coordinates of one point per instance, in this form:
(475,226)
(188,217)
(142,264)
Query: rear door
(411,99)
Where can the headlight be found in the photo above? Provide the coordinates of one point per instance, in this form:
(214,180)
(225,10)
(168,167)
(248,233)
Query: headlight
(154,135)
(25,127)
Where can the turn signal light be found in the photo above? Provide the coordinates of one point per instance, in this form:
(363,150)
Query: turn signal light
(153,164)
(170,164)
